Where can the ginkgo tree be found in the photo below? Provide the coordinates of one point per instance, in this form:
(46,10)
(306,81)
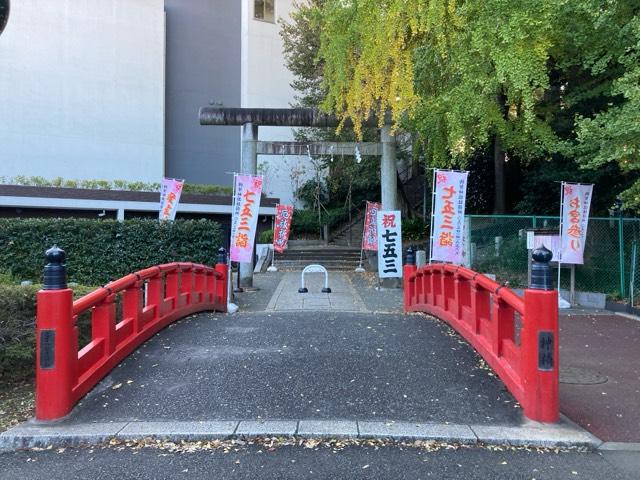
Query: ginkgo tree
(552,85)
(466,73)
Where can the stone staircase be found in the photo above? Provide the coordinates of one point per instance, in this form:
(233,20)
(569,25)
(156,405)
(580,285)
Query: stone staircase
(411,185)
(341,236)
(333,258)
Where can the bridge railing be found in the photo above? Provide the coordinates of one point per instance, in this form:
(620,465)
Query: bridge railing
(517,336)
(150,299)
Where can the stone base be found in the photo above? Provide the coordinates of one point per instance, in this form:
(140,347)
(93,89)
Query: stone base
(391,283)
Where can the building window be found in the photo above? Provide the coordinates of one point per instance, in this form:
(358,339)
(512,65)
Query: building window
(264,10)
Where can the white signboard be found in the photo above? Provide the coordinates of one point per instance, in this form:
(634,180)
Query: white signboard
(576,201)
(389,243)
(447,242)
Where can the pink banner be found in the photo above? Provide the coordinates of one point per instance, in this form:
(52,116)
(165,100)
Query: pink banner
(284,214)
(370,233)
(170,190)
(576,202)
(246,204)
(447,243)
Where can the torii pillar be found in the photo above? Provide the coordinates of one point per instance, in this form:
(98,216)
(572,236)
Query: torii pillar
(249,166)
(388,170)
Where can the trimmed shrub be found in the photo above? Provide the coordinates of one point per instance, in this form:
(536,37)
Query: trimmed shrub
(102,250)
(414,229)
(204,189)
(266,236)
(17,329)
(306,221)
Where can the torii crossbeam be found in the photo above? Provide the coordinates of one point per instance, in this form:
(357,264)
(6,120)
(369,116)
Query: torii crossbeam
(252,118)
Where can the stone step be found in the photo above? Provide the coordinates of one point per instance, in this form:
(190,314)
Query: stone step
(337,256)
(330,253)
(331,265)
(299,268)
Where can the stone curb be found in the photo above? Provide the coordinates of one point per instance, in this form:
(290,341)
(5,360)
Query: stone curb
(32,434)
(620,447)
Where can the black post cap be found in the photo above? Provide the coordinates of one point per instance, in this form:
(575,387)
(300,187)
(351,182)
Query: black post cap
(222,256)
(541,270)
(411,257)
(55,272)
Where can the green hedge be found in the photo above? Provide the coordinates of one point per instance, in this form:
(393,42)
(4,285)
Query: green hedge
(102,250)
(414,229)
(17,329)
(60,182)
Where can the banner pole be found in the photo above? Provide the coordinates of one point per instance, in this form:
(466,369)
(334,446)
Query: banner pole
(561,224)
(360,268)
(273,268)
(433,203)
(231,307)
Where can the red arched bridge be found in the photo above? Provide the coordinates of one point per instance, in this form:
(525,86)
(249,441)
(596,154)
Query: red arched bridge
(517,336)
(151,300)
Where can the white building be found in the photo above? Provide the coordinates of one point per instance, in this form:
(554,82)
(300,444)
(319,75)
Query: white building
(82,89)
(110,89)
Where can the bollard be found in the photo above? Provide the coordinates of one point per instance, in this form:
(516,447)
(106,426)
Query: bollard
(540,342)
(408,278)
(222,284)
(56,341)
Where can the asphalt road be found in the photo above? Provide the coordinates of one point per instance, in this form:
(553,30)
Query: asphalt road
(296,462)
(303,365)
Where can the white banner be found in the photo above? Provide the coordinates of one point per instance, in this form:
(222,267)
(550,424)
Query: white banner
(576,202)
(389,226)
(170,191)
(447,241)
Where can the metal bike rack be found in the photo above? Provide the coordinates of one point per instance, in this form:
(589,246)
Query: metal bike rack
(314,269)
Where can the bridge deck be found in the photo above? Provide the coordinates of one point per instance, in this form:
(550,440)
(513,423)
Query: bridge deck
(302,365)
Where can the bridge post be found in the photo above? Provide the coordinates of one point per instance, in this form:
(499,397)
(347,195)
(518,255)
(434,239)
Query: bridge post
(222,284)
(408,278)
(540,343)
(56,341)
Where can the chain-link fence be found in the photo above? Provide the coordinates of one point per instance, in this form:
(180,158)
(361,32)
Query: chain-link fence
(499,246)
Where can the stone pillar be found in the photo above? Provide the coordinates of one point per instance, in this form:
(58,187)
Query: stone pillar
(388,172)
(389,184)
(250,167)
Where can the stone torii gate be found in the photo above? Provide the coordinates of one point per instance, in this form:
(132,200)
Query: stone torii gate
(252,118)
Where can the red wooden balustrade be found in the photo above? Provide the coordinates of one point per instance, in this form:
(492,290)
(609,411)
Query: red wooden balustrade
(150,300)
(517,337)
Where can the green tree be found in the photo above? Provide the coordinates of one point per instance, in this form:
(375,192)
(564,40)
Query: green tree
(468,74)
(550,85)
(607,43)
(347,182)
